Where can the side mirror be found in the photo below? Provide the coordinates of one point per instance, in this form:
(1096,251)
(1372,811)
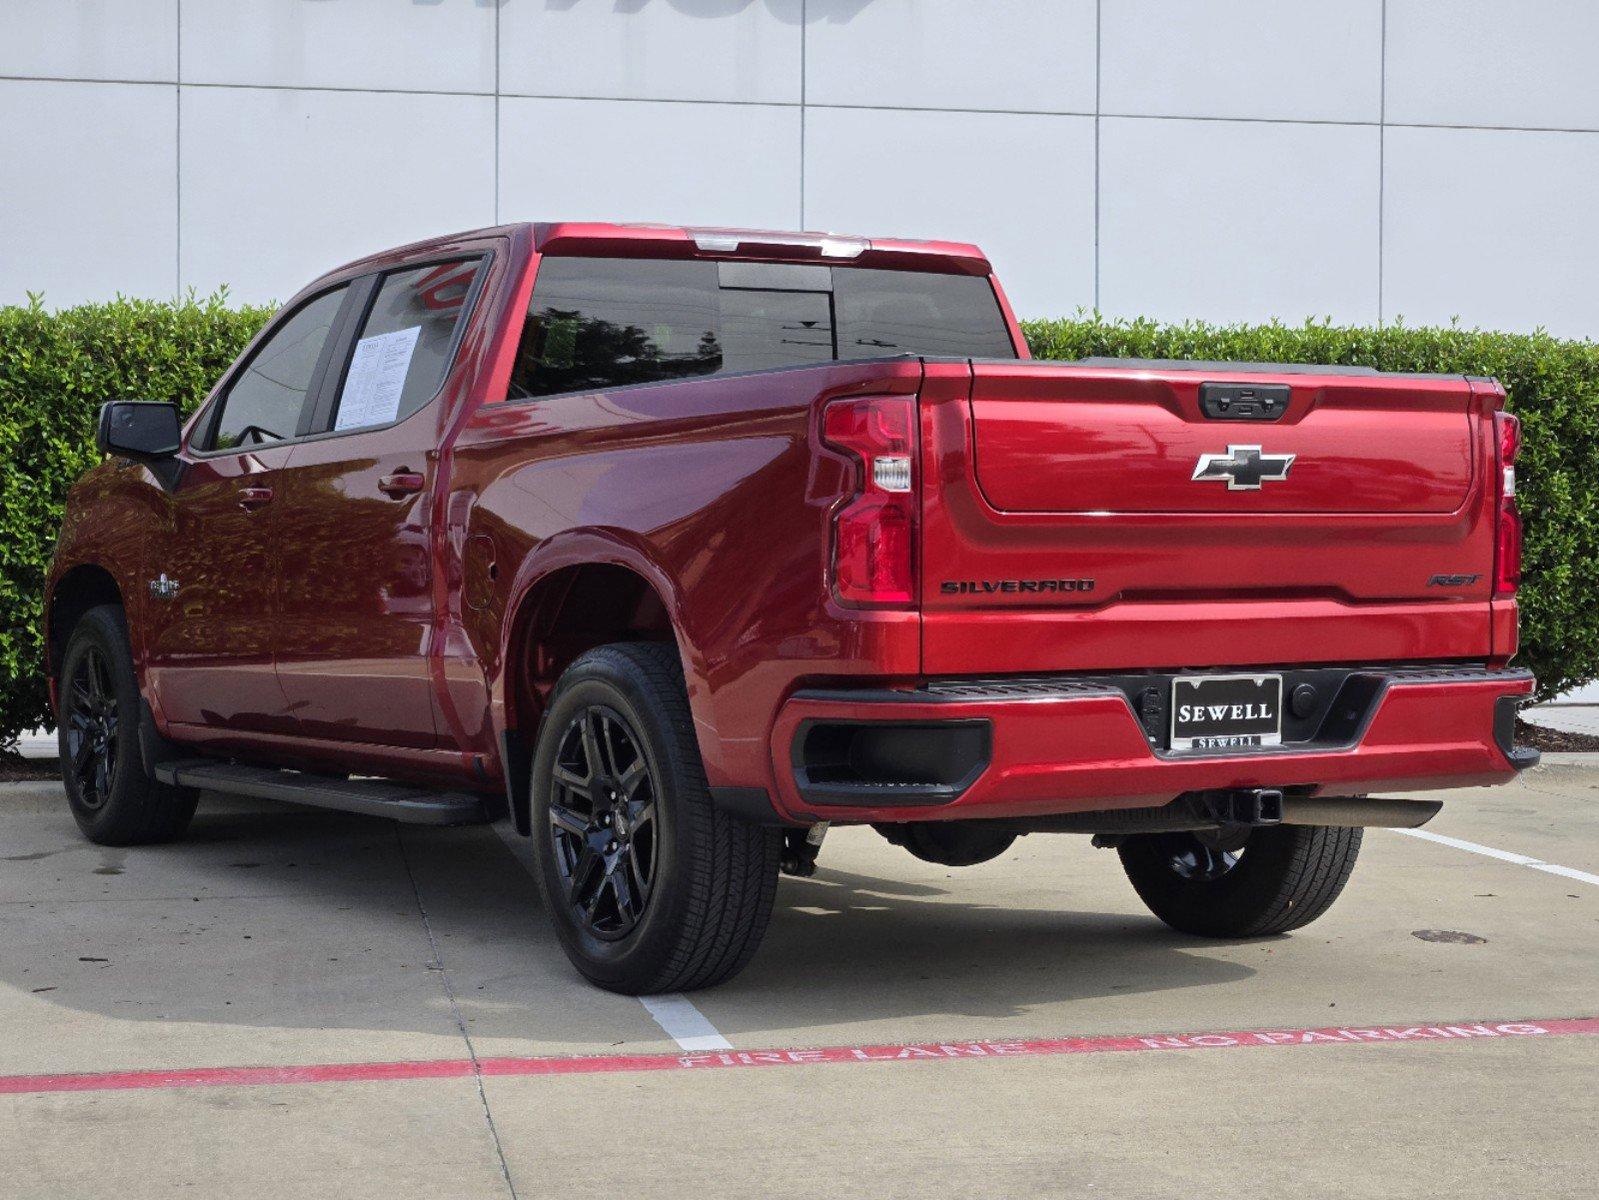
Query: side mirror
(140,429)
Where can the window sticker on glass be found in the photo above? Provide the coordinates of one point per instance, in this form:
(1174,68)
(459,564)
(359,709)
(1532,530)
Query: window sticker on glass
(376,379)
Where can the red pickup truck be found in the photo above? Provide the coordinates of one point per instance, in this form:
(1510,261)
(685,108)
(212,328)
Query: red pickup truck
(678,546)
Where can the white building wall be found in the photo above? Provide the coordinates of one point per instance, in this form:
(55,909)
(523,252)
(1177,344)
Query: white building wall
(1223,159)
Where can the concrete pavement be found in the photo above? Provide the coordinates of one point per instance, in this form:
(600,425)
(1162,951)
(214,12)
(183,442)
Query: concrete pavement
(284,937)
(1567,718)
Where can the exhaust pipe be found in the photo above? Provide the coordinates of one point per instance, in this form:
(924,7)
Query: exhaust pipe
(1359,811)
(1247,807)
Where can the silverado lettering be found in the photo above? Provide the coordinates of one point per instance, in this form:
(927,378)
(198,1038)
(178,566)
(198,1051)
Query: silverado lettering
(952,587)
(676,547)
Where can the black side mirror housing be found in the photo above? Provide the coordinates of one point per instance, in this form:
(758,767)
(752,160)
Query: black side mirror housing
(140,429)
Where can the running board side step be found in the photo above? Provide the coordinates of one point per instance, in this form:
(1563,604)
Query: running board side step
(370,797)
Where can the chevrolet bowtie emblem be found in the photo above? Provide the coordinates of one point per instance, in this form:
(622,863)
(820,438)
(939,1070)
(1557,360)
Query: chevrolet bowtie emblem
(1243,467)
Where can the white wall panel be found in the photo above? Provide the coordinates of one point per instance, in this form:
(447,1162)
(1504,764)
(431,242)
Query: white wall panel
(1238,221)
(745,50)
(1489,62)
(317,133)
(1020,186)
(619,160)
(1495,227)
(1003,54)
(445,46)
(279,185)
(90,39)
(1260,59)
(88,191)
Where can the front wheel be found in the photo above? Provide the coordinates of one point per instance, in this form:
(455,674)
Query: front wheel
(650,886)
(1247,884)
(113,798)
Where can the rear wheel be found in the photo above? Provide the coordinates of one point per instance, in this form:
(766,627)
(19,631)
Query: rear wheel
(112,798)
(650,886)
(1250,883)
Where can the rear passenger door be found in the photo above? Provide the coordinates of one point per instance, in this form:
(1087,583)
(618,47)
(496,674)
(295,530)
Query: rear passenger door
(355,524)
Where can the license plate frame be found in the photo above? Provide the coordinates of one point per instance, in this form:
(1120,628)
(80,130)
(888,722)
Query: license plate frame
(1212,731)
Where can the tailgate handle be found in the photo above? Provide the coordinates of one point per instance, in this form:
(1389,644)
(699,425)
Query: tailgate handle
(1243,401)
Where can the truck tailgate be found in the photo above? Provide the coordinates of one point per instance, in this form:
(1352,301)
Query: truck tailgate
(1099,517)
(1051,441)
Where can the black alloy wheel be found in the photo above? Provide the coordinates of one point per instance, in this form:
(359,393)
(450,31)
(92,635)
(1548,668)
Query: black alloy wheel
(1241,882)
(651,887)
(90,719)
(110,790)
(1201,857)
(603,822)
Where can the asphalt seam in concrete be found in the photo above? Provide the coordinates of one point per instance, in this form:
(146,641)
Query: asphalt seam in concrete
(455,1010)
(1509,856)
(963,1049)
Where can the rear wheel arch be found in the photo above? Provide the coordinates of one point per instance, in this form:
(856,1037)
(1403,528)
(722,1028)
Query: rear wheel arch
(559,615)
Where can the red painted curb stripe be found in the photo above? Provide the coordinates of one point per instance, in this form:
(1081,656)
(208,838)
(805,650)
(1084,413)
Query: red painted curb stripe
(450,1068)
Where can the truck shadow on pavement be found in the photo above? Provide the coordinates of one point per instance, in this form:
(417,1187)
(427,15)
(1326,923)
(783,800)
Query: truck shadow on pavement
(280,917)
(867,947)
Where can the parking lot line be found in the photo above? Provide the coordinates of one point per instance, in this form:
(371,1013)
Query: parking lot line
(1509,856)
(961,1049)
(684,1024)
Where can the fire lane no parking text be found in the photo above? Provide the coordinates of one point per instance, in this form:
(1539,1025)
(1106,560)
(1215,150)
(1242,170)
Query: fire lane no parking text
(1391,1035)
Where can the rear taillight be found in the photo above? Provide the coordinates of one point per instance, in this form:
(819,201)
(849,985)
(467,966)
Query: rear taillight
(874,533)
(1507,543)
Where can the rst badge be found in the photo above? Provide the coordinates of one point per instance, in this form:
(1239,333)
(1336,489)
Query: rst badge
(1243,468)
(163,588)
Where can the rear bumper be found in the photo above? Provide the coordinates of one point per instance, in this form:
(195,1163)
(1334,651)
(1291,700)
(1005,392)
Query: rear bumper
(1048,745)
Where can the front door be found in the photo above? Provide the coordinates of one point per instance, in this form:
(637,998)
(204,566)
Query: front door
(211,604)
(356,624)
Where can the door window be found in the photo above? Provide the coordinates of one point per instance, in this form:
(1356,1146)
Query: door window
(265,401)
(405,345)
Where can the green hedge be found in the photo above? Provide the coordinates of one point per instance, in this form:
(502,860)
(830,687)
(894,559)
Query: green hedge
(56,368)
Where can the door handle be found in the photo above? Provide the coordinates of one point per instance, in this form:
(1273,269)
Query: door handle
(254,497)
(401,483)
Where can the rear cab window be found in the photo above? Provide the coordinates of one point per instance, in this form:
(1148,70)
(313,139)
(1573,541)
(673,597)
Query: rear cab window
(597,323)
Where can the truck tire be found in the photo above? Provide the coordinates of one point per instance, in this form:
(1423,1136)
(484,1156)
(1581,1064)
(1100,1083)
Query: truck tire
(112,797)
(1278,878)
(651,888)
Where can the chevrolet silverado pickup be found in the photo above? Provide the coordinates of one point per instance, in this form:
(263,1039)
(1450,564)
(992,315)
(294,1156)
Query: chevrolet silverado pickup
(677,546)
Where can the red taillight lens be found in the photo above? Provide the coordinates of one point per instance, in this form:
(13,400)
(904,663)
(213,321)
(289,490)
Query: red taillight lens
(1507,541)
(874,534)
